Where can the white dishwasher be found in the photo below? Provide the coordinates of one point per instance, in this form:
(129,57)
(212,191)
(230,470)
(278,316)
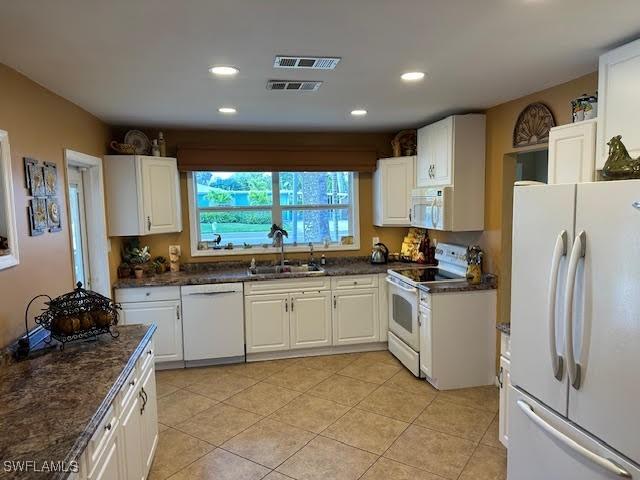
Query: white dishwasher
(213,323)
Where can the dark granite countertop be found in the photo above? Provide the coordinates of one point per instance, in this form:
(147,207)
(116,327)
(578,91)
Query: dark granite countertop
(229,272)
(504,328)
(51,404)
(489,282)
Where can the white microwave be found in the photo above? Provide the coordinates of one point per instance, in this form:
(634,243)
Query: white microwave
(432,208)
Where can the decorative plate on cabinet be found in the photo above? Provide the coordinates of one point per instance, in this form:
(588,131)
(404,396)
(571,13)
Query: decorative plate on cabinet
(139,140)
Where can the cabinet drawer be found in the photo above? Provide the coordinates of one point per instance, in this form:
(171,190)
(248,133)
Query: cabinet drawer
(505,345)
(146,359)
(128,389)
(100,438)
(354,281)
(287,285)
(147,294)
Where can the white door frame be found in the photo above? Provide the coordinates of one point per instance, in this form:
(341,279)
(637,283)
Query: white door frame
(98,245)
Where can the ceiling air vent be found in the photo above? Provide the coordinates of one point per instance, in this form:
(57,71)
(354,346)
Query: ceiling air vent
(294,85)
(312,63)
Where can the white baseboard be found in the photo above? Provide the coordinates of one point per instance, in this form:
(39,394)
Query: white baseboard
(312,352)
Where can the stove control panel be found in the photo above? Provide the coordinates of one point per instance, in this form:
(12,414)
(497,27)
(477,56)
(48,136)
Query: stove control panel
(452,254)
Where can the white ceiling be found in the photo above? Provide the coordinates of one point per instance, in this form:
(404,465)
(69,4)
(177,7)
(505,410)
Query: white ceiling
(144,62)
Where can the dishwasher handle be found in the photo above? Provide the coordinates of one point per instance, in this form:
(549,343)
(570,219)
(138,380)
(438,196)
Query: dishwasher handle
(211,294)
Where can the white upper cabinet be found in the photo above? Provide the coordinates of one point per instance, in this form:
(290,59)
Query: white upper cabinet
(572,153)
(618,100)
(393,181)
(143,195)
(452,152)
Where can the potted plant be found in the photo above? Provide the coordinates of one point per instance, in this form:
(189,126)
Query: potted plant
(160,264)
(138,257)
(124,270)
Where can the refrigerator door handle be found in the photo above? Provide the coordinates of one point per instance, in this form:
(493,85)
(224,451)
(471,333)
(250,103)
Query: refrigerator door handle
(559,251)
(578,252)
(605,463)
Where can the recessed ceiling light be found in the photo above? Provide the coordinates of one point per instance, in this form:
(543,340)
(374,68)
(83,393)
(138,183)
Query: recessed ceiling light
(412,76)
(224,71)
(227,110)
(358,112)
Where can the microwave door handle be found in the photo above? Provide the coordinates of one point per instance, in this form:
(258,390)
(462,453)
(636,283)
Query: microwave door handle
(433,206)
(395,284)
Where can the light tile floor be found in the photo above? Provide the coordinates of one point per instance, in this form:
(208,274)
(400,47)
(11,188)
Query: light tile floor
(353,416)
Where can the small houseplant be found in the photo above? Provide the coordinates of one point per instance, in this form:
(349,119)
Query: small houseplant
(160,264)
(138,258)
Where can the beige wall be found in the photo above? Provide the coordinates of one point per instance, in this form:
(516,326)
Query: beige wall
(500,172)
(40,125)
(392,237)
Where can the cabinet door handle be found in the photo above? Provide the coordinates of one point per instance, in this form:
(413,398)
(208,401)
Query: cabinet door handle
(149,224)
(500,377)
(107,427)
(144,397)
(335,303)
(178,311)
(410,215)
(286,305)
(292,304)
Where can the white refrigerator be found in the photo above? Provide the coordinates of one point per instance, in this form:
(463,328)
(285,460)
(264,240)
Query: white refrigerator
(574,407)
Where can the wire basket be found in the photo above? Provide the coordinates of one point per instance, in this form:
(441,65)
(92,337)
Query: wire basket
(79,315)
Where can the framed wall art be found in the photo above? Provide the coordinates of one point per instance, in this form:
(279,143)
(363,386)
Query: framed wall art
(34,176)
(37,210)
(50,179)
(53,215)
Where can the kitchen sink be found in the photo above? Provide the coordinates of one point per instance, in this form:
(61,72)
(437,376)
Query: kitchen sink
(287,270)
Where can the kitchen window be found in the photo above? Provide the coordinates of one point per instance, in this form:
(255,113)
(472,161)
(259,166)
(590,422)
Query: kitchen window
(238,208)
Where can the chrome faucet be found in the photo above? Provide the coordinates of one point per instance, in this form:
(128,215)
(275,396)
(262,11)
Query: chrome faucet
(277,232)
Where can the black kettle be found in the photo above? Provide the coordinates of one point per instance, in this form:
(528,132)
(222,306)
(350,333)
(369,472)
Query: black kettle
(379,254)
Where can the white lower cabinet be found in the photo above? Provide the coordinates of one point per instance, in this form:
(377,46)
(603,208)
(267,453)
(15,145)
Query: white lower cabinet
(267,322)
(148,419)
(355,316)
(109,466)
(310,319)
(314,313)
(124,443)
(159,305)
(132,437)
(504,378)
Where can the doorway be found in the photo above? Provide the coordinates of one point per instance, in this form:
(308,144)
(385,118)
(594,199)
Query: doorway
(78,225)
(531,166)
(87,221)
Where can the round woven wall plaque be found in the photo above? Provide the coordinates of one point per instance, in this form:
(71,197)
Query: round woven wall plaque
(533,125)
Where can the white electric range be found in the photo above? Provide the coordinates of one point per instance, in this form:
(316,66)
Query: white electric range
(426,331)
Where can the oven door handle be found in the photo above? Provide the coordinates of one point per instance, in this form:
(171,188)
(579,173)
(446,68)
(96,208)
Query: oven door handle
(396,284)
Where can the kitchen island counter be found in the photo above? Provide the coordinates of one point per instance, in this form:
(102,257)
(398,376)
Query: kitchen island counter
(51,404)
